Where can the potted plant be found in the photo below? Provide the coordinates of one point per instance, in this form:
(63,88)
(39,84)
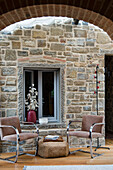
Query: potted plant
(32,104)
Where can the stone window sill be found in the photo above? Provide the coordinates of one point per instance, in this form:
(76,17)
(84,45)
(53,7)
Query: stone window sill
(47,126)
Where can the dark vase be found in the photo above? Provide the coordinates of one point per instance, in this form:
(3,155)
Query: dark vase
(31,116)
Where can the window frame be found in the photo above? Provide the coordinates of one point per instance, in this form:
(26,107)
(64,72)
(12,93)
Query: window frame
(56,92)
(62,90)
(32,80)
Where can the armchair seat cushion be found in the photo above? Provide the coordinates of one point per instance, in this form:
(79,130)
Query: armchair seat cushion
(22,136)
(84,134)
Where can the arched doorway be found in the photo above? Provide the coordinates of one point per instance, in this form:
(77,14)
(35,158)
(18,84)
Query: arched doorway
(97,13)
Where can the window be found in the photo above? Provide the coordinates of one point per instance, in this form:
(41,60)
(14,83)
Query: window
(47,84)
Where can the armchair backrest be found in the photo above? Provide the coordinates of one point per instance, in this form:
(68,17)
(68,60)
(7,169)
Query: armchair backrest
(89,120)
(13,121)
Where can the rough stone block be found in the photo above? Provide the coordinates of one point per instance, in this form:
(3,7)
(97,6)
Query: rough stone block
(49,53)
(8,105)
(38,27)
(56,31)
(103,38)
(91,34)
(16,45)
(11,112)
(17,32)
(8,71)
(13,38)
(27,42)
(22,53)
(3,113)
(63,40)
(87,108)
(81,69)
(68,54)
(82,58)
(53,39)
(81,76)
(69,116)
(92,87)
(4,44)
(36,51)
(80,33)
(80,50)
(9,89)
(90,42)
(0,57)
(101,105)
(10,55)
(79,83)
(71,42)
(68,28)
(27,32)
(71,73)
(57,47)
(11,63)
(2,82)
(94,50)
(74,109)
(81,42)
(101,95)
(12,97)
(72,89)
(82,89)
(38,34)
(41,43)
(11,81)
(70,82)
(68,35)
(84,97)
(70,96)
(2,63)
(3,98)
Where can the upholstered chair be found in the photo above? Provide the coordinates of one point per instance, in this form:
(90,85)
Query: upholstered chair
(10,130)
(92,127)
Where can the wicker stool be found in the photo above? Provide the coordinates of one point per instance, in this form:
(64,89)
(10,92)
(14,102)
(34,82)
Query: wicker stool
(52,149)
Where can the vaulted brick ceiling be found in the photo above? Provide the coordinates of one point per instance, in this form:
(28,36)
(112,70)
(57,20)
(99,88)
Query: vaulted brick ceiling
(98,12)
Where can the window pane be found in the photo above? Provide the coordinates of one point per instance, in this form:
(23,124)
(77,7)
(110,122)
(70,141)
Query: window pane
(36,86)
(28,82)
(48,94)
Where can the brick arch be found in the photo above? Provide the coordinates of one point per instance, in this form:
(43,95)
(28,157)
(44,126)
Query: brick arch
(57,10)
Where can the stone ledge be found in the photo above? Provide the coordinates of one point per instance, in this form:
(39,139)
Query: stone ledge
(45,127)
(44,132)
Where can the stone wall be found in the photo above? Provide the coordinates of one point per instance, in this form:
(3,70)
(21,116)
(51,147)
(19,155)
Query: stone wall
(78,47)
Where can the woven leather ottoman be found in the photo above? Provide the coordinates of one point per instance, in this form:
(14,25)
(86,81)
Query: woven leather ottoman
(52,149)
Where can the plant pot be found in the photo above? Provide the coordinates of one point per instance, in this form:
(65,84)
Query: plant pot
(31,116)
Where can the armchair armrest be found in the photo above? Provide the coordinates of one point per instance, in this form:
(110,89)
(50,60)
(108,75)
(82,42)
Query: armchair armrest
(16,130)
(68,128)
(71,121)
(91,128)
(31,123)
(28,123)
(74,120)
